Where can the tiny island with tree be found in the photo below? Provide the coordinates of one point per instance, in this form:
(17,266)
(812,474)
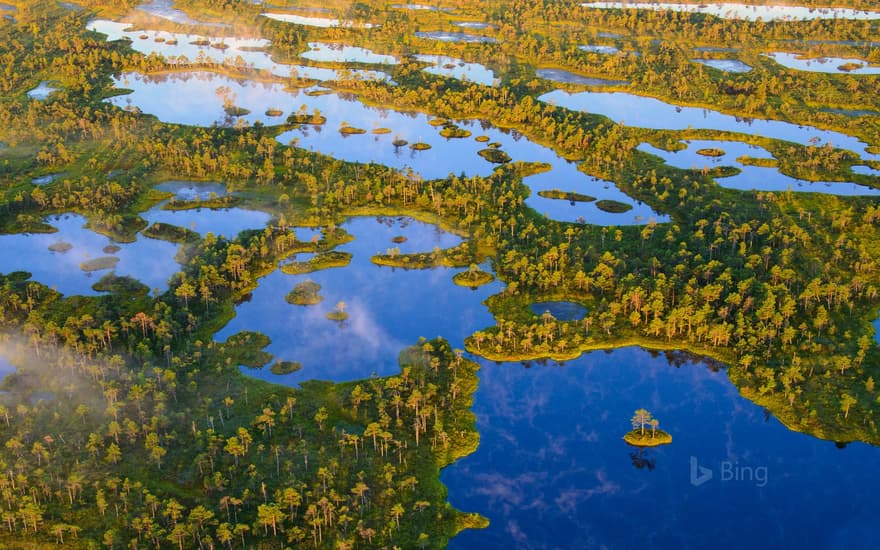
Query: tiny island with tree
(645,432)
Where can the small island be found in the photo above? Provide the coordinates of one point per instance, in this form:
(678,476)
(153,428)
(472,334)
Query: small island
(305,293)
(639,437)
(474,277)
(339,314)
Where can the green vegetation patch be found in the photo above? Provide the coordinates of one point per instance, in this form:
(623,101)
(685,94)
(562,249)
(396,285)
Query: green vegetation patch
(762,162)
(648,439)
(851,66)
(338,314)
(235,110)
(246,349)
(351,130)
(305,293)
(171,233)
(420,146)
(99,264)
(614,207)
(724,171)
(454,132)
(285,367)
(473,277)
(711,152)
(565,195)
(60,246)
(274,112)
(493,155)
(322,260)
(122,285)
(381,131)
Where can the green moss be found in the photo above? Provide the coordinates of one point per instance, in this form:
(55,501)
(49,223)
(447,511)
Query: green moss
(420,146)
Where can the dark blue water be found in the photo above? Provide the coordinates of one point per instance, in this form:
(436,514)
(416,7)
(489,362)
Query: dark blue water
(563,311)
(389,309)
(552,471)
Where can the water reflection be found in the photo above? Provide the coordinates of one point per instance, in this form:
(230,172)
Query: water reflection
(726,65)
(830,65)
(567,77)
(726,153)
(553,472)
(647,112)
(147,260)
(388,309)
(42,91)
(749,12)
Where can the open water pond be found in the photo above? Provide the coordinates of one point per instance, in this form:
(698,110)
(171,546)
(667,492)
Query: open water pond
(164,9)
(424,7)
(865,170)
(193,190)
(42,91)
(456,156)
(471,24)
(343,53)
(726,65)
(320,22)
(228,222)
(200,102)
(751,177)
(46,179)
(450,67)
(830,65)
(647,112)
(749,12)
(150,261)
(389,308)
(567,77)
(552,470)
(183,49)
(444,36)
(563,311)
(598,48)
